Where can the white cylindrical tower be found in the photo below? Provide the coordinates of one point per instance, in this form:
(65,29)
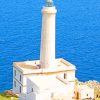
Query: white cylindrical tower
(47,52)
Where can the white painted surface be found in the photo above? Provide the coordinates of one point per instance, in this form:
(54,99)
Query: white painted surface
(17,88)
(38,96)
(70,75)
(44,85)
(23,97)
(60,66)
(47,53)
(84,92)
(87,93)
(18,73)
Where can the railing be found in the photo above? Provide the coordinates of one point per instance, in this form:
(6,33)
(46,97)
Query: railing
(49,3)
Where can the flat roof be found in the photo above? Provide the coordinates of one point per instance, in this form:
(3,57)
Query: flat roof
(29,67)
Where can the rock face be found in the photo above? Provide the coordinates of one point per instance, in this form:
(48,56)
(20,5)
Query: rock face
(93,84)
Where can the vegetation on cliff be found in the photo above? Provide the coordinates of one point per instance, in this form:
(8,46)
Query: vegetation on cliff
(8,95)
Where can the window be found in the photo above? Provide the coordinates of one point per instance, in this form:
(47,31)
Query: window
(20,78)
(20,89)
(64,75)
(87,95)
(14,83)
(15,72)
(32,89)
(52,95)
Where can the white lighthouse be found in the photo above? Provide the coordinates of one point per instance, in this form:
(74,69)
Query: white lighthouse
(48,78)
(47,54)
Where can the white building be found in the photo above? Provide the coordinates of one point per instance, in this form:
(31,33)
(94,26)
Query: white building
(83,92)
(26,69)
(48,78)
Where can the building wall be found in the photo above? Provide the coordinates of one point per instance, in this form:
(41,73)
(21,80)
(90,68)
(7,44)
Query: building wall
(46,95)
(38,96)
(61,74)
(19,80)
(17,87)
(38,93)
(31,86)
(22,97)
(70,75)
(34,93)
(87,93)
(84,93)
(17,74)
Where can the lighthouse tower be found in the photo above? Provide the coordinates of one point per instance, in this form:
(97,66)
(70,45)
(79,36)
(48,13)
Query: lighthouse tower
(48,78)
(47,53)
